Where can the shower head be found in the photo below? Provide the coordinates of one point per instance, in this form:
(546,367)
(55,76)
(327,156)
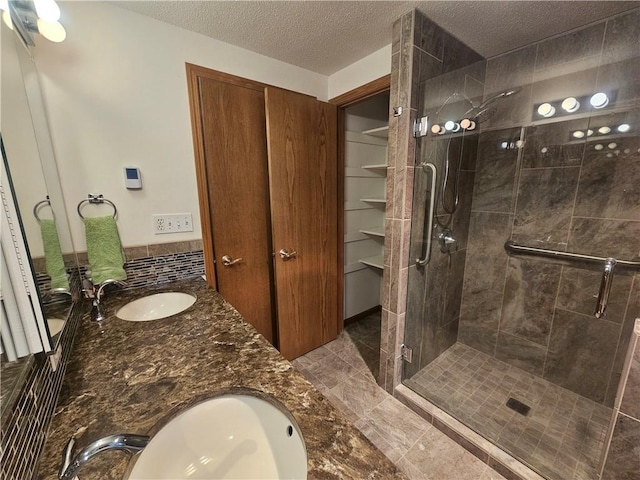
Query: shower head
(483,108)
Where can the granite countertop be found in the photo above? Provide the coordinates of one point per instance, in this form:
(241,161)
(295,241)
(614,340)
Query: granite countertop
(126,376)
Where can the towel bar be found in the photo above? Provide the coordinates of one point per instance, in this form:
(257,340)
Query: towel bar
(38,205)
(96,199)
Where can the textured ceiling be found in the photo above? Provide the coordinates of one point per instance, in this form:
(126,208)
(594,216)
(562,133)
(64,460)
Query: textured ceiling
(325,36)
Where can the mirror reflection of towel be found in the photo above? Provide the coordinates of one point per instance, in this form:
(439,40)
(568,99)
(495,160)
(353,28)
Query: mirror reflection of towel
(54,263)
(104,249)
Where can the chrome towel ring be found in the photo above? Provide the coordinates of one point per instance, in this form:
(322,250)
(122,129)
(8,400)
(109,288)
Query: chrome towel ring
(40,204)
(96,199)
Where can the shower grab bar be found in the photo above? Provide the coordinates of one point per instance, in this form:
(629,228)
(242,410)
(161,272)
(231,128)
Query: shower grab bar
(605,265)
(579,260)
(423,261)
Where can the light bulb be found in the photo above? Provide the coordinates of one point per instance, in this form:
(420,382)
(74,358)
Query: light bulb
(598,146)
(47,10)
(570,104)
(612,145)
(546,110)
(452,126)
(604,130)
(435,128)
(624,128)
(53,31)
(544,150)
(578,134)
(589,132)
(599,100)
(6,17)
(467,124)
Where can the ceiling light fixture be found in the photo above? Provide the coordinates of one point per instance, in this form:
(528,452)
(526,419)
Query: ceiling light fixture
(599,100)
(546,110)
(39,16)
(604,130)
(570,104)
(578,134)
(624,128)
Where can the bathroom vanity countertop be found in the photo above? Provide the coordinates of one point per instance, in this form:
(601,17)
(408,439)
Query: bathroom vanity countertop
(127,376)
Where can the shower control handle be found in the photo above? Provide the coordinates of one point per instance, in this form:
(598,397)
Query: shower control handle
(227,261)
(286,255)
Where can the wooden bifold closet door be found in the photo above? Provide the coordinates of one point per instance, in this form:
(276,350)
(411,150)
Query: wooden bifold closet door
(233,123)
(302,146)
(266,161)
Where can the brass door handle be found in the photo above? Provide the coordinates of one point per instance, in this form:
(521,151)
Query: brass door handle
(227,261)
(286,255)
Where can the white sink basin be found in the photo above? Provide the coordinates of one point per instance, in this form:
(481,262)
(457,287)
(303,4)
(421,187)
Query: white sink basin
(231,436)
(155,307)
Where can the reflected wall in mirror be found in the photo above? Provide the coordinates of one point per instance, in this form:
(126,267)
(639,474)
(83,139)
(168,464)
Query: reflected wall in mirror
(34,177)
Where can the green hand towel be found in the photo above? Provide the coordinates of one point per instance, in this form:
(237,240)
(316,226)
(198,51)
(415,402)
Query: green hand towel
(54,263)
(104,249)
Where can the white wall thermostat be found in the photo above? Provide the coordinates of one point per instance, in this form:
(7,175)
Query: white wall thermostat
(132,178)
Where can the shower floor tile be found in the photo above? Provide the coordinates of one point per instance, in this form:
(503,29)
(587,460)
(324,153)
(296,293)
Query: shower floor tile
(561,436)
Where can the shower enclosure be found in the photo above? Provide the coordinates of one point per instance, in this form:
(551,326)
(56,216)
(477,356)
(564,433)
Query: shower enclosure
(540,148)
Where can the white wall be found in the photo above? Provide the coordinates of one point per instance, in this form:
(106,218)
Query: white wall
(365,70)
(116,95)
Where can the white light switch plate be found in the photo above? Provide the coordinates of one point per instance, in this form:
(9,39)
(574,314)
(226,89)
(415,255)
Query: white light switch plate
(172,223)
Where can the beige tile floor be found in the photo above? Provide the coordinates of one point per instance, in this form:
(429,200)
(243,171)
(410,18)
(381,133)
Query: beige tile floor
(342,371)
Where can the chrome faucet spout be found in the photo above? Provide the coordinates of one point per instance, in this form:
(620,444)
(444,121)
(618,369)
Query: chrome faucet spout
(97,311)
(110,281)
(126,442)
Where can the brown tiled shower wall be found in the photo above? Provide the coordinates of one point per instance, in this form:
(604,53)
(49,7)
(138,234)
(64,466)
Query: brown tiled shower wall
(25,424)
(551,193)
(421,51)
(560,193)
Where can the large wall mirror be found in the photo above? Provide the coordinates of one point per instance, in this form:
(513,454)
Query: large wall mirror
(28,159)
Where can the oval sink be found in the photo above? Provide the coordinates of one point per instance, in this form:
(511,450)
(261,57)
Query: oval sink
(231,436)
(155,307)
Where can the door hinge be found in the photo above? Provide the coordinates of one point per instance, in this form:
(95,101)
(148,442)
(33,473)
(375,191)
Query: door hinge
(406,353)
(420,126)
(397,111)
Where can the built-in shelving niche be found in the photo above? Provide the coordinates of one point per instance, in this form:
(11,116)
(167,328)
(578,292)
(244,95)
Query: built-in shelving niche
(365,203)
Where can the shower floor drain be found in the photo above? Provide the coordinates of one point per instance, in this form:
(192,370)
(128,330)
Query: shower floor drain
(518,406)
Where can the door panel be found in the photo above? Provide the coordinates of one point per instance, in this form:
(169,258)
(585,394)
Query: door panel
(233,124)
(302,146)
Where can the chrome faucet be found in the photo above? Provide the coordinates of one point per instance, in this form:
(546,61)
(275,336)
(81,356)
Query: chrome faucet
(95,295)
(129,443)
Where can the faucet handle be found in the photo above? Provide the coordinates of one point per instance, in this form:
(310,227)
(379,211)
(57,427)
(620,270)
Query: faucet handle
(88,288)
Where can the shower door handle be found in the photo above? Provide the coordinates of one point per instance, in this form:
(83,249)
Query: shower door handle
(227,261)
